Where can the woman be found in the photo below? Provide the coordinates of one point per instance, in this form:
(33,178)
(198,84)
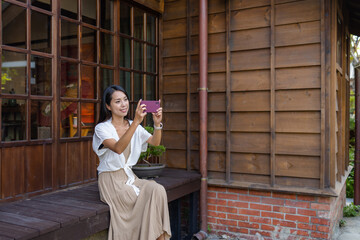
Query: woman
(138,208)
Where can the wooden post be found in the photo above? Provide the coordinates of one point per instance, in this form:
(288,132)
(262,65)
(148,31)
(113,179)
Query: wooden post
(357,138)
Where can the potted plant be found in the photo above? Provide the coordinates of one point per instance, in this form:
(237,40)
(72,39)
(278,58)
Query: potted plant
(146,169)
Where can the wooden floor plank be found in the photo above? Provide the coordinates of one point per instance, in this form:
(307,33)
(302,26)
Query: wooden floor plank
(17,232)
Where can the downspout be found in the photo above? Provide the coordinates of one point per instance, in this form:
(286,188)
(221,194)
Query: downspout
(203,69)
(357,138)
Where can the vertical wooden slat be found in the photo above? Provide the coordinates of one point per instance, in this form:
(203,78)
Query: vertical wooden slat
(272,94)
(188,81)
(78,134)
(28,73)
(116,39)
(228,93)
(323,109)
(97,60)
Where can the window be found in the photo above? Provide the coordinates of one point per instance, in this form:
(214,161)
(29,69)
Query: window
(95,50)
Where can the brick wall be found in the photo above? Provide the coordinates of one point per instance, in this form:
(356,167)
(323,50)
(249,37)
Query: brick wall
(270,215)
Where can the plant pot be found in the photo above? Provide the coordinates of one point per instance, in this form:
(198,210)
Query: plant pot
(146,171)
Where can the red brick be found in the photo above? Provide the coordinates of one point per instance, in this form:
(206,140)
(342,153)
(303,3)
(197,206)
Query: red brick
(319,235)
(325,214)
(239,191)
(211,219)
(283,223)
(324,200)
(306,226)
(297,218)
(217,227)
(226,209)
(217,189)
(272,215)
(216,201)
(267,227)
(283,195)
(260,206)
(306,198)
(227,222)
(248,225)
(306,212)
(272,201)
(216,214)
(297,204)
(299,232)
(262,233)
(227,196)
(239,230)
(249,212)
(211,207)
(260,220)
(211,194)
(284,209)
(249,198)
(260,193)
(320,221)
(323,229)
(238,204)
(319,206)
(238,217)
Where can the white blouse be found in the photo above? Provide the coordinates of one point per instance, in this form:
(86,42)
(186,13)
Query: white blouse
(112,161)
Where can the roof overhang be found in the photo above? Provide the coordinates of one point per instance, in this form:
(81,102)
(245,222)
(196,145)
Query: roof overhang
(354,16)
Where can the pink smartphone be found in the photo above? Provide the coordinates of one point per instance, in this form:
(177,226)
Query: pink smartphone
(151,106)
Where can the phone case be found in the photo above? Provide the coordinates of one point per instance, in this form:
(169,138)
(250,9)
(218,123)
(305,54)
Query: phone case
(151,106)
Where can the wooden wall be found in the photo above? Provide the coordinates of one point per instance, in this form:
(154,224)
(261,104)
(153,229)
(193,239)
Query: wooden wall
(266,80)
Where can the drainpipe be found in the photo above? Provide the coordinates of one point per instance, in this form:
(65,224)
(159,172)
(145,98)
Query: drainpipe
(357,138)
(203,62)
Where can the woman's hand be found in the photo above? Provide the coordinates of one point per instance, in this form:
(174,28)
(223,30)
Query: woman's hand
(140,112)
(157,117)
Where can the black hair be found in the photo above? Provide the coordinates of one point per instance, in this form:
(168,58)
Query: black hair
(105,113)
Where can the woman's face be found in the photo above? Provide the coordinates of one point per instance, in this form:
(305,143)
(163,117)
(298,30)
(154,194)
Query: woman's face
(119,104)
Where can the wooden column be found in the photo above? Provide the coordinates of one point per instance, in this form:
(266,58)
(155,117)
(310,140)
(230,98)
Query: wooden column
(357,139)
(228,93)
(272,95)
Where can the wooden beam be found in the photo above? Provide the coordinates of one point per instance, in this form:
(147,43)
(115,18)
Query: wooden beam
(272,95)
(188,85)
(228,93)
(323,96)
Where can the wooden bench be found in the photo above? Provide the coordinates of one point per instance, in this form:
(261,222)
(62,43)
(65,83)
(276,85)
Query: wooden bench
(77,212)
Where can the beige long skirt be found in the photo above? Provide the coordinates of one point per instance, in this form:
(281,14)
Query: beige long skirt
(143,217)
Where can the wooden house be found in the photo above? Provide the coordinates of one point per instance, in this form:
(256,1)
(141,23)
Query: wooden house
(277,92)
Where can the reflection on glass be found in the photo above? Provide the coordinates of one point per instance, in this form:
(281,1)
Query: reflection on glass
(13,120)
(87,119)
(150,87)
(125,20)
(125,52)
(107,79)
(24,1)
(69,39)
(138,56)
(40,32)
(125,81)
(44,4)
(88,83)
(69,80)
(69,8)
(13,17)
(40,76)
(88,44)
(138,24)
(150,28)
(150,59)
(107,14)
(88,11)
(138,86)
(68,119)
(41,119)
(107,48)
(13,73)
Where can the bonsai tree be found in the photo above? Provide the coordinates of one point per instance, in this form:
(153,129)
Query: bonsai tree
(151,151)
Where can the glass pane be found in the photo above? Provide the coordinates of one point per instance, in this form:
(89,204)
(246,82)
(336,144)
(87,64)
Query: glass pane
(69,39)
(41,119)
(40,32)
(138,86)
(88,44)
(125,19)
(13,73)
(24,1)
(13,117)
(138,24)
(107,79)
(87,119)
(44,4)
(88,11)
(138,56)
(69,80)
(107,48)
(13,17)
(150,29)
(150,88)
(69,8)
(88,83)
(40,76)
(107,14)
(125,81)
(150,59)
(125,52)
(68,119)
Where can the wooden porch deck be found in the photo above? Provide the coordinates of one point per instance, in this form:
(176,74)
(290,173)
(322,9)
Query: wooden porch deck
(77,212)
